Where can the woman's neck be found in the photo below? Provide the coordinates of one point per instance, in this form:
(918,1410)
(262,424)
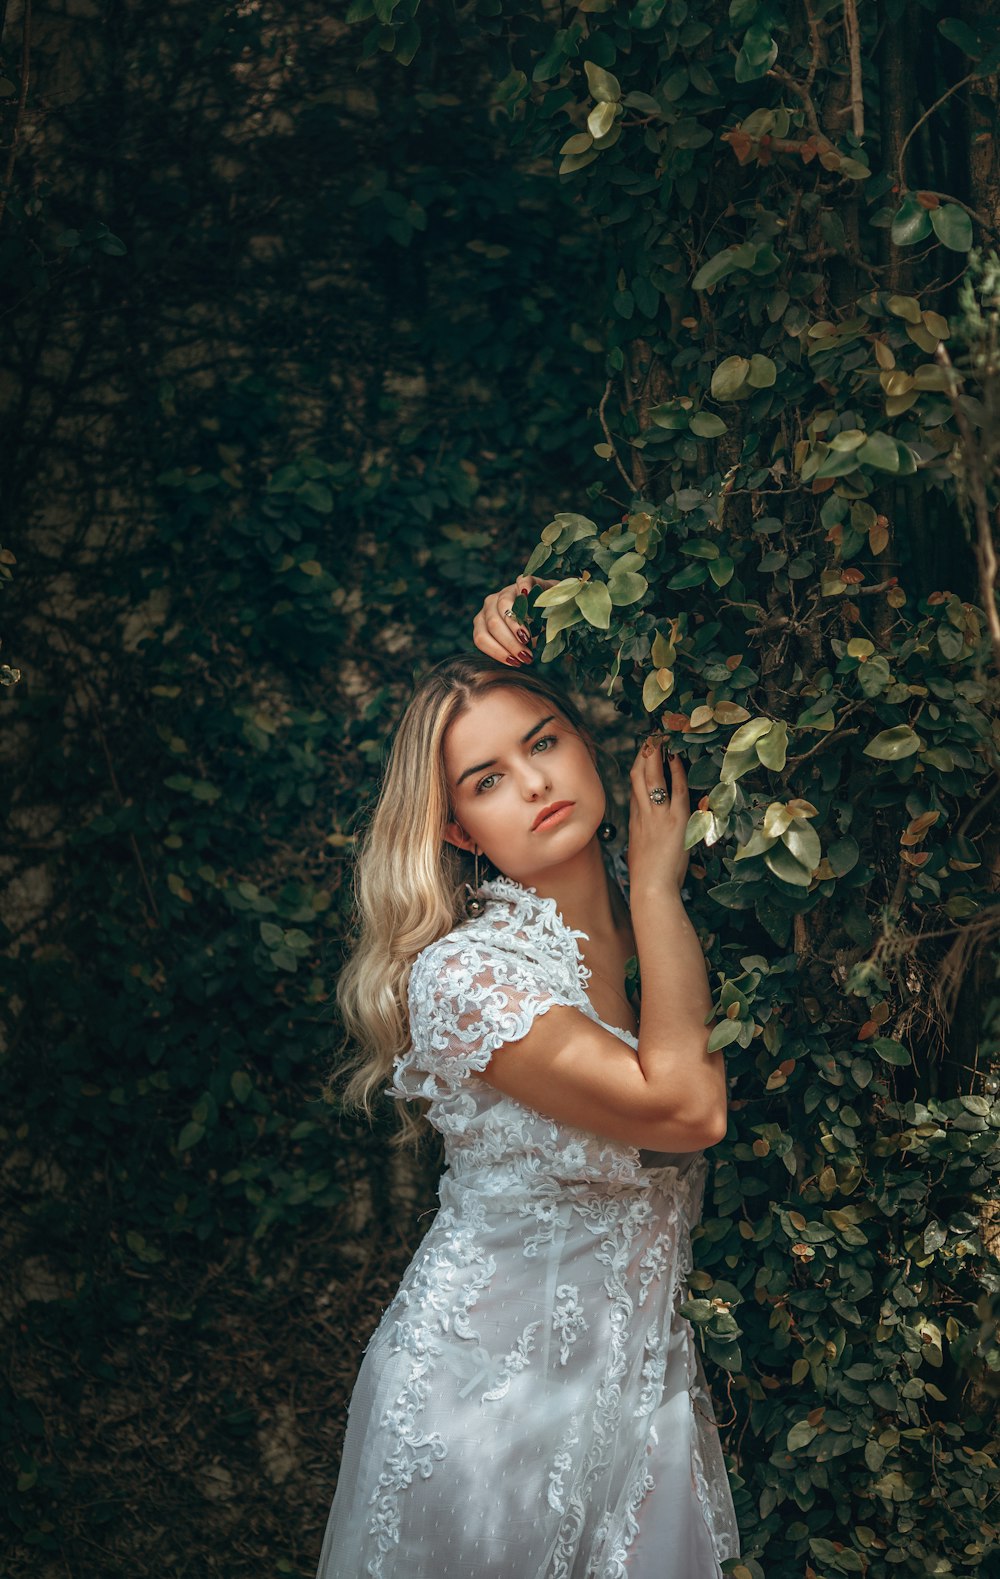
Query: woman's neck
(585,895)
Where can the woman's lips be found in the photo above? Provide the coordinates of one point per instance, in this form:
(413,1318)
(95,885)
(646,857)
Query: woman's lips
(554,817)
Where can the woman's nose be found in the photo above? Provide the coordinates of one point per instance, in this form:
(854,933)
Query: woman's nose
(535,779)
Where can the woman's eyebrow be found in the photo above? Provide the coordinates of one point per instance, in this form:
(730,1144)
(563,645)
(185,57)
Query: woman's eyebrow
(524,741)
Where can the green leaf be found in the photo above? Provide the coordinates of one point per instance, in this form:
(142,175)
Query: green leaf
(905,307)
(749,733)
(190,1135)
(874,1456)
(562,592)
(693,576)
(594,602)
(843,855)
(780,860)
(707,425)
(723,1035)
(561,618)
(729,377)
(722,799)
(959,32)
(670,415)
(736,763)
(601,119)
(240,1084)
(664,653)
(646,14)
(911,223)
(642,101)
(653,693)
(603,86)
(627,587)
(803,841)
(772,747)
(715,269)
(758,842)
(699,823)
(800,1435)
(732,896)
(757,56)
(579,161)
(837,464)
(407,42)
(953,227)
(540,555)
(880,451)
(890,1051)
(762,372)
(847,440)
(892,744)
(317,496)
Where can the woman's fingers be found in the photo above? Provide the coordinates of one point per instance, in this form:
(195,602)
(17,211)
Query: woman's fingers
(657,826)
(497,633)
(649,773)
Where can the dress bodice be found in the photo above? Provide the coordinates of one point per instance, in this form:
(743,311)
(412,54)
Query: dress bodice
(477,987)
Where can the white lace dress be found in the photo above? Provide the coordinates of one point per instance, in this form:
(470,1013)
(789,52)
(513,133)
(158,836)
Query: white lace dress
(531,1405)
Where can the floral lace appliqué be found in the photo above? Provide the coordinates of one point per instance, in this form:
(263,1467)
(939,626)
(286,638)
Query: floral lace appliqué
(568,1318)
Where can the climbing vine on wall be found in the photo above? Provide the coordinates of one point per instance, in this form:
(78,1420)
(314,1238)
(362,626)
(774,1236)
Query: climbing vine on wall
(782,562)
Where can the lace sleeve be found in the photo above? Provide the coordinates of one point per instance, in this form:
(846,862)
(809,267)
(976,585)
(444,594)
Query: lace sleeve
(465,1000)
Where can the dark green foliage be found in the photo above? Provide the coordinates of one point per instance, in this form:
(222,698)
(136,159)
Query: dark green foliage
(773,590)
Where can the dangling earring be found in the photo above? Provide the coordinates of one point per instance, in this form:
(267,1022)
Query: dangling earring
(606,832)
(475,904)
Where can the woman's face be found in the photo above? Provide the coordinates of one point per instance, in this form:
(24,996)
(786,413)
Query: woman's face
(509,758)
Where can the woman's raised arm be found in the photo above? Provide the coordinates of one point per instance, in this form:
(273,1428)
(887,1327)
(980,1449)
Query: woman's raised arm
(672,1095)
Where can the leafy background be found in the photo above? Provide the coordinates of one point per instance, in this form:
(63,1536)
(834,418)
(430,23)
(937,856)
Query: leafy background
(318,327)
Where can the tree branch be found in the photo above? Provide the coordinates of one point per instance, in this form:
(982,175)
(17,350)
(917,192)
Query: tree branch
(901,169)
(607,434)
(854,56)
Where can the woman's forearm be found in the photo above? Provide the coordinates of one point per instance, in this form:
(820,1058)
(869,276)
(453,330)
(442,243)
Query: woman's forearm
(676,1002)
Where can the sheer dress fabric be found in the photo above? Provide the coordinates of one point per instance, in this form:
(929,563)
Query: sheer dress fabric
(531,1405)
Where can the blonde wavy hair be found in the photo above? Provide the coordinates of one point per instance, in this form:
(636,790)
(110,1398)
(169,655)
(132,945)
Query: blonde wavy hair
(409,884)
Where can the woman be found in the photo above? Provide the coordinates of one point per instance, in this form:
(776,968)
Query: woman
(531,1405)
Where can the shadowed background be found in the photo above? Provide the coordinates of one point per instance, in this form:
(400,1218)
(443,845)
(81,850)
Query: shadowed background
(295,368)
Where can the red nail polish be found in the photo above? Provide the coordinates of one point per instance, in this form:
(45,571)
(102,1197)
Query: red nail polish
(513,662)
(523,636)
(524,657)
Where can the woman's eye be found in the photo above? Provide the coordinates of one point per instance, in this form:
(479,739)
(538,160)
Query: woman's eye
(543,740)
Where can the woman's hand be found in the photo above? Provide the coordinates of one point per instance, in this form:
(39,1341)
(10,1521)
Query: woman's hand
(496,633)
(657,858)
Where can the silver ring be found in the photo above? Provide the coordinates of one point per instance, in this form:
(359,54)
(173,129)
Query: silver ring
(658,796)
(508,614)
